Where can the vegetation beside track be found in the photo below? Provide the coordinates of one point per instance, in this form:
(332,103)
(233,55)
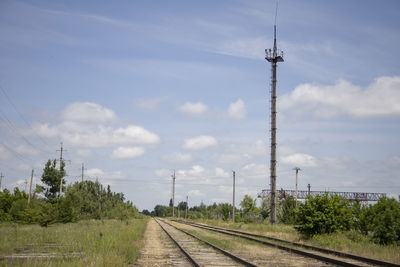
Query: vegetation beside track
(348,241)
(97,242)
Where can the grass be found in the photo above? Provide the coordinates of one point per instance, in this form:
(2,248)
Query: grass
(349,242)
(105,243)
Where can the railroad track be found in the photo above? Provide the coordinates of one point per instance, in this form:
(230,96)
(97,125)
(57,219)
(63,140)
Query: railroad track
(201,253)
(321,254)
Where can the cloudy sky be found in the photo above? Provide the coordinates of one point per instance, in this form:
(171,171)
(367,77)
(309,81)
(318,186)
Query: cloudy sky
(137,89)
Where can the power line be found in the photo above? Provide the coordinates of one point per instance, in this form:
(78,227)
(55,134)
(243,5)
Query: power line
(14,129)
(22,117)
(18,155)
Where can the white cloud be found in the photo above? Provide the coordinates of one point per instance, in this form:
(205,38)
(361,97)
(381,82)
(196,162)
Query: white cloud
(135,135)
(220,173)
(200,142)
(229,158)
(299,160)
(89,135)
(379,99)
(95,173)
(24,167)
(87,112)
(127,152)
(195,193)
(178,158)
(163,172)
(147,103)
(254,171)
(84,152)
(4,154)
(22,149)
(237,110)
(193,108)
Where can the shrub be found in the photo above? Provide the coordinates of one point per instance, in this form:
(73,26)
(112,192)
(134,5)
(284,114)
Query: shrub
(288,213)
(385,221)
(324,215)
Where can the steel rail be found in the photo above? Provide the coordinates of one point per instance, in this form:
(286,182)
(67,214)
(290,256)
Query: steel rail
(323,250)
(289,249)
(234,257)
(190,258)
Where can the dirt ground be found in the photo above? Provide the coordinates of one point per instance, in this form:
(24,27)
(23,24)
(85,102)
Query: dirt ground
(159,250)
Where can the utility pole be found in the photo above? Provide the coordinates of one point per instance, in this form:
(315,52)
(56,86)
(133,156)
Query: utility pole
(173,194)
(233,197)
(297,169)
(61,173)
(83,168)
(30,188)
(274,56)
(309,189)
(1,179)
(187,197)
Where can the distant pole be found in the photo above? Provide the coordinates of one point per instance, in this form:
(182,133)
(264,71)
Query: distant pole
(83,168)
(233,197)
(61,160)
(1,179)
(173,194)
(187,204)
(26,185)
(309,189)
(30,188)
(274,56)
(297,169)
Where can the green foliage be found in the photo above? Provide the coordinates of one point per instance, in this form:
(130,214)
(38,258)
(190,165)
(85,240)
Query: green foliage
(324,215)
(248,205)
(51,177)
(265,207)
(225,209)
(288,213)
(182,205)
(86,200)
(385,221)
(90,200)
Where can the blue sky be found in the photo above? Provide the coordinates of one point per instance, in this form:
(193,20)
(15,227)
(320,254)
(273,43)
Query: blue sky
(137,89)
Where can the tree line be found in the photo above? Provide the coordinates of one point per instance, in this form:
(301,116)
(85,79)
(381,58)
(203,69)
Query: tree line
(81,200)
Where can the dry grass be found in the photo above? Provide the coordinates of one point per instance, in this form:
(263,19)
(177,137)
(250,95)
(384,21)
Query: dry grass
(105,243)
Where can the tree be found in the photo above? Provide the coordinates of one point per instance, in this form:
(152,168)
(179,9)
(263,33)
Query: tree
(146,212)
(324,215)
(288,213)
(384,221)
(182,205)
(51,177)
(160,211)
(225,209)
(265,207)
(248,204)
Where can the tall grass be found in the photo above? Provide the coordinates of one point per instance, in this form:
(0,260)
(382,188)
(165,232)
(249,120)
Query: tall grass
(105,243)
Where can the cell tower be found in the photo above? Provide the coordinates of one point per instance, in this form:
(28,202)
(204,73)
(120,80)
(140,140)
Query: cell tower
(274,56)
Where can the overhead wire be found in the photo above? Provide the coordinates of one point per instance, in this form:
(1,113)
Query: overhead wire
(15,129)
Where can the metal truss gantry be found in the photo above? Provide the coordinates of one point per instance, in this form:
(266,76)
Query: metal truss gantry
(302,194)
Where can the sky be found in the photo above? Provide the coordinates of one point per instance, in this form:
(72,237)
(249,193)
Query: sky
(138,89)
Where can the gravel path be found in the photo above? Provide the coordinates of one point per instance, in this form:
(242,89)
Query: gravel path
(159,250)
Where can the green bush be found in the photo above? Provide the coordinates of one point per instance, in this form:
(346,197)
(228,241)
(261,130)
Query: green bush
(385,221)
(288,213)
(324,215)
